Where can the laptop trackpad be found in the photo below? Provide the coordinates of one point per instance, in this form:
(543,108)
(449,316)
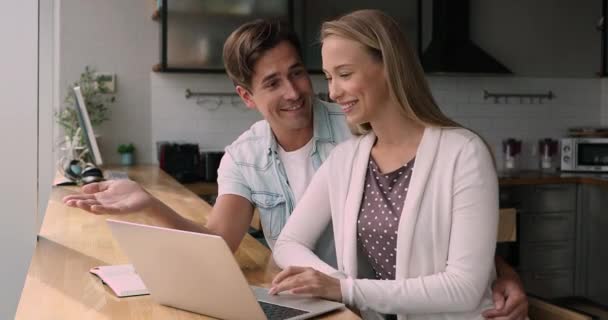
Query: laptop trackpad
(298,302)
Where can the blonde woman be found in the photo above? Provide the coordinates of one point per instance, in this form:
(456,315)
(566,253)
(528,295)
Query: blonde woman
(413,199)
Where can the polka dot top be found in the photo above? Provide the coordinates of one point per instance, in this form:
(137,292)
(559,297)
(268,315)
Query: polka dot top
(383,198)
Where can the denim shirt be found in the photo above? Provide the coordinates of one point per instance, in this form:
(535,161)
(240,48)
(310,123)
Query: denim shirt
(251,168)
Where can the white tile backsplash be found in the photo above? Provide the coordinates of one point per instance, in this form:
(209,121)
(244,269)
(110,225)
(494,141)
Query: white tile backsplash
(211,121)
(577,102)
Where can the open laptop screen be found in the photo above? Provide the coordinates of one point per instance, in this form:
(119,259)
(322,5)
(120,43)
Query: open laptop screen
(87,127)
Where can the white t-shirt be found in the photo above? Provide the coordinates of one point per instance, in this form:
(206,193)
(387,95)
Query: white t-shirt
(298,168)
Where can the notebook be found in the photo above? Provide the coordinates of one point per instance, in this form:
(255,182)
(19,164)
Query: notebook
(122,279)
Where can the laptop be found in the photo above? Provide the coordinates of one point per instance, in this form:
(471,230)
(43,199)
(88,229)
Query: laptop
(198,273)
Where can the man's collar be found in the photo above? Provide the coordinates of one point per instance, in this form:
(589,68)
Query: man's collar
(321,124)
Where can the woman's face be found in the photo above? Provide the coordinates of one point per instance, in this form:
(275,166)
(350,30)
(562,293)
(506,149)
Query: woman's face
(356,79)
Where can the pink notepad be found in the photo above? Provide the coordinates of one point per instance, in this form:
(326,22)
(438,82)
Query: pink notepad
(122,279)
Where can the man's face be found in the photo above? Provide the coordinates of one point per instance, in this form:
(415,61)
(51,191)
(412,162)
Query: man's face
(281,89)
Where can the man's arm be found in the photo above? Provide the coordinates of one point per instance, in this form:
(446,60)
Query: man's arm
(508,293)
(232,213)
(230,217)
(504,269)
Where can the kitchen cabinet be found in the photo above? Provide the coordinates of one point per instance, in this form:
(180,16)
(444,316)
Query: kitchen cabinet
(547,32)
(546,257)
(592,278)
(193,31)
(562,238)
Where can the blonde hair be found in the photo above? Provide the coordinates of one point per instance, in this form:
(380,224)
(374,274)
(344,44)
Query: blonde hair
(381,35)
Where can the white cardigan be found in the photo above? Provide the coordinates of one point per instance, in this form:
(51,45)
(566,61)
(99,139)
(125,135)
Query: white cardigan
(446,236)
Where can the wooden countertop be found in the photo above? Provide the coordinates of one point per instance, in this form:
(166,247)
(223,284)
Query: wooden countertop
(531,177)
(202,188)
(59,286)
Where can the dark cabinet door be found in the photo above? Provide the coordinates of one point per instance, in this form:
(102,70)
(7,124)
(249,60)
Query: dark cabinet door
(593,259)
(548,284)
(193,31)
(546,236)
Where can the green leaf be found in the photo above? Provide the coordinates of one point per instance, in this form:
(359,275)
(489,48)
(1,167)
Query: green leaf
(96,100)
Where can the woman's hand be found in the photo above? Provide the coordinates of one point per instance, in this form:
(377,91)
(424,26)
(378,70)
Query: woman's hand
(308,281)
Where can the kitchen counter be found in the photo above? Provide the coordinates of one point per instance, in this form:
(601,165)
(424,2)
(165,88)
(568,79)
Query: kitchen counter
(533,177)
(59,286)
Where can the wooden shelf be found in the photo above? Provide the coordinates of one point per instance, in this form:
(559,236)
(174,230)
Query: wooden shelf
(157,67)
(156,15)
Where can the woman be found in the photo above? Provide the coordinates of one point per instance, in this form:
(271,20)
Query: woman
(413,200)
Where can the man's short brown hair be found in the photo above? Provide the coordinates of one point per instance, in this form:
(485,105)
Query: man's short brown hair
(249,42)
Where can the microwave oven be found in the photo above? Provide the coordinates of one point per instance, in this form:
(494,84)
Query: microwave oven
(584,154)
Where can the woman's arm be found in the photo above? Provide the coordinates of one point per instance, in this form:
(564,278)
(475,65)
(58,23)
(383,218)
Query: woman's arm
(471,250)
(295,244)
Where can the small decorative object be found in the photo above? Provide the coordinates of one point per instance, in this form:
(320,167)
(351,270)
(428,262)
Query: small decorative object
(73,147)
(126,154)
(547,149)
(511,148)
(76,172)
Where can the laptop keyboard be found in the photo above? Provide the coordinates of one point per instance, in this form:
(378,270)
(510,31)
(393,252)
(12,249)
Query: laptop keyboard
(116,175)
(276,312)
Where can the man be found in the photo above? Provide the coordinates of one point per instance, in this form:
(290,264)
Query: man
(270,165)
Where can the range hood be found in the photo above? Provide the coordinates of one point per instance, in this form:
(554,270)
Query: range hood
(451,49)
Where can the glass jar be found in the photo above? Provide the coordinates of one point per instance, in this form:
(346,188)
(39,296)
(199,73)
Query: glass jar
(547,150)
(511,148)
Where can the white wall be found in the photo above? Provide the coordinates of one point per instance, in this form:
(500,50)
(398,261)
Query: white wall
(119,37)
(213,122)
(18,137)
(47,94)
(542,38)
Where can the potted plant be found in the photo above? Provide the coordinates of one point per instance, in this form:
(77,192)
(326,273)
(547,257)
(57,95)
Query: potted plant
(97,98)
(126,154)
